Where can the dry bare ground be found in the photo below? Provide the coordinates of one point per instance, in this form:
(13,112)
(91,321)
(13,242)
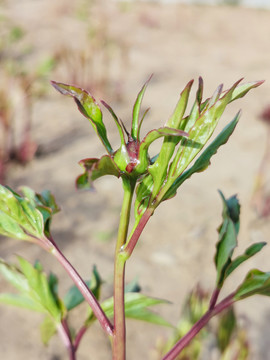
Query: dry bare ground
(176,43)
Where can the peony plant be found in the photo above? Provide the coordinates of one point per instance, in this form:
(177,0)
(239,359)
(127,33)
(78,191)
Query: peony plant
(147,182)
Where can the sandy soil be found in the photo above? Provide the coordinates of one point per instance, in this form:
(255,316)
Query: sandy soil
(176,43)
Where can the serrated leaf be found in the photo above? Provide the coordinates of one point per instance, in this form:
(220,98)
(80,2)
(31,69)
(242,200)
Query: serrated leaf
(45,203)
(94,169)
(88,107)
(36,291)
(136,307)
(9,227)
(203,161)
(18,217)
(47,329)
(227,237)
(250,251)
(256,282)
(40,290)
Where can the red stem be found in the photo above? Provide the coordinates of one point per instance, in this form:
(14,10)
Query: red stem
(214,298)
(79,336)
(137,232)
(50,246)
(64,332)
(119,341)
(184,341)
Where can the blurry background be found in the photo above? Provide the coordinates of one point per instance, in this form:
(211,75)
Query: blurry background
(110,48)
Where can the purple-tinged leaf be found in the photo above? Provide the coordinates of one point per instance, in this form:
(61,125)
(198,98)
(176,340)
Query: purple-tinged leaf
(135,129)
(141,121)
(241,90)
(199,93)
(153,135)
(118,123)
(94,169)
(199,134)
(216,95)
(88,107)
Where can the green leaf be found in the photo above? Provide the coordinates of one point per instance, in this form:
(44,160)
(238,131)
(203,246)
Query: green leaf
(200,125)
(256,282)
(118,123)
(136,307)
(14,276)
(9,227)
(227,237)
(133,286)
(19,301)
(47,329)
(74,297)
(18,216)
(203,161)
(159,169)
(147,316)
(41,290)
(250,251)
(88,107)
(36,291)
(94,169)
(44,202)
(199,134)
(158,133)
(143,157)
(135,129)
(241,90)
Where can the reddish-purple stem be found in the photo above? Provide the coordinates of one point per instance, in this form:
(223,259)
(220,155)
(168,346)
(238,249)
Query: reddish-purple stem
(79,336)
(50,246)
(184,341)
(64,332)
(214,298)
(137,232)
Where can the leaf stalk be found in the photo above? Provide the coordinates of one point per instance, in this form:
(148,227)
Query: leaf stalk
(50,246)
